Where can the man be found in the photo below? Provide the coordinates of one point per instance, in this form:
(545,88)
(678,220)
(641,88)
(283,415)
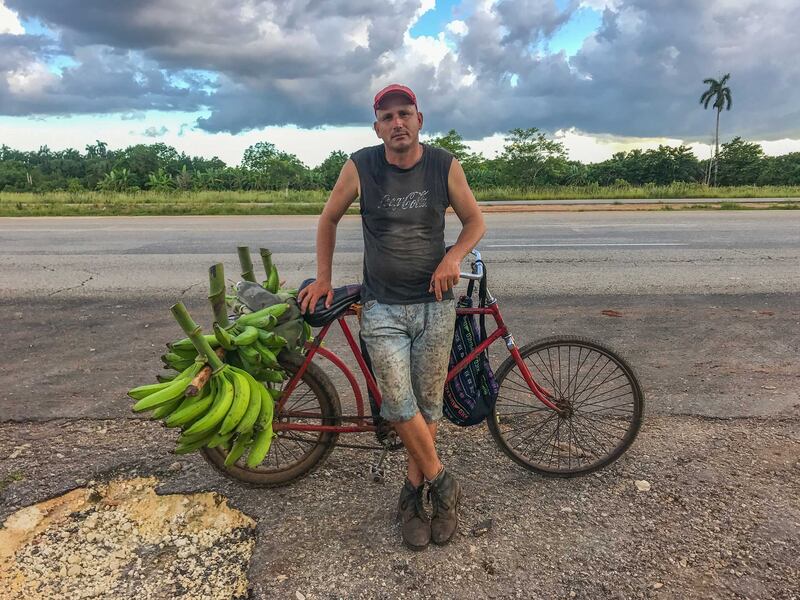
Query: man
(408,311)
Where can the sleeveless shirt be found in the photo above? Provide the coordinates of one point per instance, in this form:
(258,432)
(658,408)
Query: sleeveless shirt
(402,217)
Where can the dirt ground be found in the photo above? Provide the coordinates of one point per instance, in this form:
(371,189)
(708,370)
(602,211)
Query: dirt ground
(720,449)
(720,519)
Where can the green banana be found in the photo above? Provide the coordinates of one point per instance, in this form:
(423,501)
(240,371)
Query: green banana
(254,406)
(261,443)
(191,408)
(184,354)
(171,358)
(166,409)
(174,390)
(276,310)
(166,377)
(143,391)
(241,400)
(247,337)
(185,448)
(186,343)
(272,376)
(223,337)
(222,403)
(264,322)
(239,447)
(219,439)
(251,354)
(309,335)
(180,365)
(267,356)
(263,438)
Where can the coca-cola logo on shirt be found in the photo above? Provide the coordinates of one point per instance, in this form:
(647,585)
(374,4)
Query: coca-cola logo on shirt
(409,201)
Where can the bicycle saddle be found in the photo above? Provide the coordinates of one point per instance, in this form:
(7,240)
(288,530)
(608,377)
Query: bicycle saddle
(343,297)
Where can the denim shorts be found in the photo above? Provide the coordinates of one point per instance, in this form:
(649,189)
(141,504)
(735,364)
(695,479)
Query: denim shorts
(409,345)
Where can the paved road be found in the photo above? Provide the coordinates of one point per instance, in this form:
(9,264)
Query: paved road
(529,254)
(595,201)
(708,300)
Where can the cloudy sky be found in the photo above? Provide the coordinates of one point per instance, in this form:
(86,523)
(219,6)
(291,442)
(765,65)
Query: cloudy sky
(211,77)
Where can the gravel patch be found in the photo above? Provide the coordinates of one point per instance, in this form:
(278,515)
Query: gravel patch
(120,540)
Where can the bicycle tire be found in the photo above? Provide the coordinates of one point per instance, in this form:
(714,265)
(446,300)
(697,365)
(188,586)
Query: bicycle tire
(327,399)
(581,421)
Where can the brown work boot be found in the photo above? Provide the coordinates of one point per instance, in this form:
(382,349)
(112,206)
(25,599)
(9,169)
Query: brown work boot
(444,492)
(414,523)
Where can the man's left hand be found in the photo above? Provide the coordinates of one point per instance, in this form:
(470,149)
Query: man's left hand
(445,276)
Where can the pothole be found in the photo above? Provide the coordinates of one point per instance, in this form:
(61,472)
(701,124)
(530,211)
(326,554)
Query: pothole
(121,540)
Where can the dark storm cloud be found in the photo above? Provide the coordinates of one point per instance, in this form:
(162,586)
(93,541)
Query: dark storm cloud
(104,80)
(316,62)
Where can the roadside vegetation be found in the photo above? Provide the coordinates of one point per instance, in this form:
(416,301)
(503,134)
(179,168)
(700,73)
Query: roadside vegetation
(310,202)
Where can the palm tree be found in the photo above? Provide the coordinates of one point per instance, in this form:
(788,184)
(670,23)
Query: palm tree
(721,94)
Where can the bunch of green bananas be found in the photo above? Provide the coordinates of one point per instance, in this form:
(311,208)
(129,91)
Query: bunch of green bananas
(232,409)
(233,406)
(252,342)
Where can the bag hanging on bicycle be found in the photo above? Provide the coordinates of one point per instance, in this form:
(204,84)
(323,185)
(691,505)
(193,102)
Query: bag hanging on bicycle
(470,396)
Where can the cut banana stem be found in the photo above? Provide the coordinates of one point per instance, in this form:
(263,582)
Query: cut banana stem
(194,332)
(266,260)
(216,294)
(246,263)
(203,376)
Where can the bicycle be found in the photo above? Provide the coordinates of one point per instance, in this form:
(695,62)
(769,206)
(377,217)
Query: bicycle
(572,423)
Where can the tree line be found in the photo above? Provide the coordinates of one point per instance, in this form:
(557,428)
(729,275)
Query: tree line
(529,159)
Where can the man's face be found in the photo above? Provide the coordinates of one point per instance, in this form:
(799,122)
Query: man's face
(398,123)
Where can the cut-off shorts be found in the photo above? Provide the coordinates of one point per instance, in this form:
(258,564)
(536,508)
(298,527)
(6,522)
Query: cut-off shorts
(409,346)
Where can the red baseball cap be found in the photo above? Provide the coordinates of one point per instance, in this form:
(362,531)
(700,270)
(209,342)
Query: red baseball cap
(394,88)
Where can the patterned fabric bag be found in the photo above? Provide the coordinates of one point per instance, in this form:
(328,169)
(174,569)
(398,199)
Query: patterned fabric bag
(470,396)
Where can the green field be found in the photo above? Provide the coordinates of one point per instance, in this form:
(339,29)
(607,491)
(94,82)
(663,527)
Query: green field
(310,202)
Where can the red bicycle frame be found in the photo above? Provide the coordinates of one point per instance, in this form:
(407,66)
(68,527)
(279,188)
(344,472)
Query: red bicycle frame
(360,420)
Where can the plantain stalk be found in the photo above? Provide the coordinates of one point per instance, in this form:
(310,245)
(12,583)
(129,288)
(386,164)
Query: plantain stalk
(195,333)
(247,264)
(266,259)
(201,379)
(216,294)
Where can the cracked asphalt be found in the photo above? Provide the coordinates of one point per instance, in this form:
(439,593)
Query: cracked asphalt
(709,316)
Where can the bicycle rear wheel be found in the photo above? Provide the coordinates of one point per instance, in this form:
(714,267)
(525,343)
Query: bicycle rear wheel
(599,393)
(293,454)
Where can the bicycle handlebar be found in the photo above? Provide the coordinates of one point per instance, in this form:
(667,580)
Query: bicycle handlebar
(477,267)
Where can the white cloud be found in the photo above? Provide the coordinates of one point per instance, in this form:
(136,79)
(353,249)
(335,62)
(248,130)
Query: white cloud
(30,80)
(457,27)
(9,21)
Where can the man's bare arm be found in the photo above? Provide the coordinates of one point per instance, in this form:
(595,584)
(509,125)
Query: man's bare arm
(473,227)
(344,192)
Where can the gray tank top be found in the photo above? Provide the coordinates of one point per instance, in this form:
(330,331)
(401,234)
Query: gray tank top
(402,216)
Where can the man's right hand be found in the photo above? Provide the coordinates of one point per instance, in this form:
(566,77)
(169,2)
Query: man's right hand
(310,295)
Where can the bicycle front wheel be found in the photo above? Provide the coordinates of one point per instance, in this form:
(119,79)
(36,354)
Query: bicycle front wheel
(600,399)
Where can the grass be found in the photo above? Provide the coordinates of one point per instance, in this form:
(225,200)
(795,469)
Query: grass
(664,192)
(10,478)
(310,202)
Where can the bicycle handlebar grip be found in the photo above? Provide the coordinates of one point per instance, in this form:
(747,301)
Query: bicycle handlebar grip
(477,267)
